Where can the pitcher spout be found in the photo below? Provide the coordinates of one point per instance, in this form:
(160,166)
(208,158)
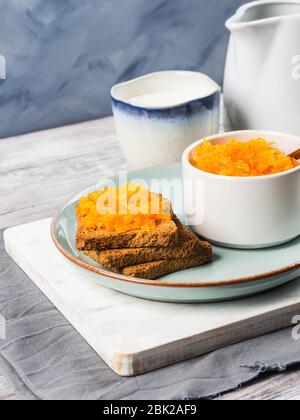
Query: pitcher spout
(258,13)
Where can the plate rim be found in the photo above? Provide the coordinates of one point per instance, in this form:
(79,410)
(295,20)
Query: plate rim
(159,283)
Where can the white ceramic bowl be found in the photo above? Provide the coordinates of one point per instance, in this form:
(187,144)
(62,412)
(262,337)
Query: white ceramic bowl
(158,115)
(244,212)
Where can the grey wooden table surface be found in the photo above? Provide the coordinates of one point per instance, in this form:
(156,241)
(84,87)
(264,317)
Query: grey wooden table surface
(40,171)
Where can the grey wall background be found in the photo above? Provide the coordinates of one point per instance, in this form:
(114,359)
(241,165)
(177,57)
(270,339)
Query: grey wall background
(64,55)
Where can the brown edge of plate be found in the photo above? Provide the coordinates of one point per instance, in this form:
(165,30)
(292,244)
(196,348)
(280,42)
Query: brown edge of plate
(159,283)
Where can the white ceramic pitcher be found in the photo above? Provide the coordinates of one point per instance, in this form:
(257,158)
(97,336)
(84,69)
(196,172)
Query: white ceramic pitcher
(262,75)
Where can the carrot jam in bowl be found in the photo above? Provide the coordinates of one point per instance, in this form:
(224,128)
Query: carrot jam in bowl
(255,157)
(242,189)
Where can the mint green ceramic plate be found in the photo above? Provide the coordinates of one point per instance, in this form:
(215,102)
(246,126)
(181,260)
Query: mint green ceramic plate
(233,273)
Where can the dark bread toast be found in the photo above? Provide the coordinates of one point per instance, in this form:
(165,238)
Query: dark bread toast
(157,269)
(188,245)
(165,235)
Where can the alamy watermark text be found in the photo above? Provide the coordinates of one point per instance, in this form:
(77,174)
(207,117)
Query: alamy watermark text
(296,329)
(2,328)
(2,67)
(296,67)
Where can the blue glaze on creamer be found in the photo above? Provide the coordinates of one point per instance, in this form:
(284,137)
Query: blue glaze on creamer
(157,135)
(189,109)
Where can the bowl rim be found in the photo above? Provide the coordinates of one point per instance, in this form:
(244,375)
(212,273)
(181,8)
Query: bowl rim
(256,133)
(116,98)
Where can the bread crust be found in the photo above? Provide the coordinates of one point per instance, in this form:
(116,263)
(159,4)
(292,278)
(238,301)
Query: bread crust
(169,248)
(188,245)
(165,235)
(157,269)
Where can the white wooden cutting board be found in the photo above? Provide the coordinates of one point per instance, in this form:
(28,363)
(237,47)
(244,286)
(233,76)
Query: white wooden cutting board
(134,336)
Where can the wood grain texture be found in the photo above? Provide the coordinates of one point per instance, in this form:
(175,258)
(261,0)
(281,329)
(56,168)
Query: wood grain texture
(48,167)
(40,171)
(277,387)
(6,391)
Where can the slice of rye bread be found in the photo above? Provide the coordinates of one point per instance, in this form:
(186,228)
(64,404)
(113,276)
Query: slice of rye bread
(165,235)
(188,245)
(157,269)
